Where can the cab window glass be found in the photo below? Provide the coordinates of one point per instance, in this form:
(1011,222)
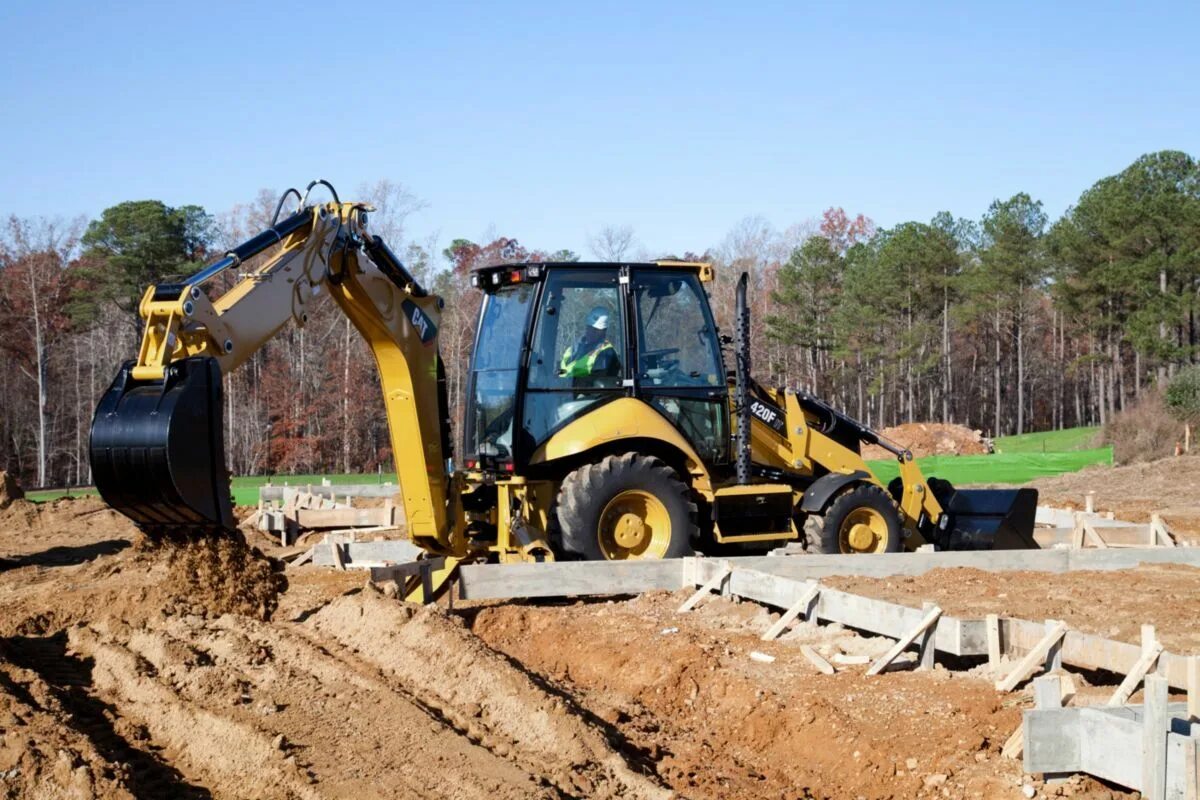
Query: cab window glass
(579,343)
(489,429)
(678,345)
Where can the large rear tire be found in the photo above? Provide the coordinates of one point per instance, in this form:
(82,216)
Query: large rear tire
(862,519)
(625,507)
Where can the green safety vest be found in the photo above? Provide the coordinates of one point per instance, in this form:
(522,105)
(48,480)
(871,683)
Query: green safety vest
(581,367)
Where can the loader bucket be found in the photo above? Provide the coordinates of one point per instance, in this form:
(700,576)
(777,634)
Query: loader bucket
(157,450)
(989,519)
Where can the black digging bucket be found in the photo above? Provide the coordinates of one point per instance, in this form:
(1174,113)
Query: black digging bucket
(990,519)
(157,450)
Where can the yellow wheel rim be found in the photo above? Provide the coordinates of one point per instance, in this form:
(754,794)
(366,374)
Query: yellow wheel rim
(864,530)
(634,524)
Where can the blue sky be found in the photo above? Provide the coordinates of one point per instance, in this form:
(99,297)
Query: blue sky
(547,121)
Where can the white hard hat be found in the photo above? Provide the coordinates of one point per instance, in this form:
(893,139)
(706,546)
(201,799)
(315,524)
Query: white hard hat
(598,318)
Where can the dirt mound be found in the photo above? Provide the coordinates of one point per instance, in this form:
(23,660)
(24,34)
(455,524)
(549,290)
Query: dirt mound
(218,575)
(1169,486)
(931,439)
(66,521)
(10,490)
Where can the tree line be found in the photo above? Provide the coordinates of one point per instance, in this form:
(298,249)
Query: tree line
(1009,323)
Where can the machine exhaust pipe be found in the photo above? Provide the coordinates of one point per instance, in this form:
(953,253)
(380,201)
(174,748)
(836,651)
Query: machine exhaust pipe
(741,398)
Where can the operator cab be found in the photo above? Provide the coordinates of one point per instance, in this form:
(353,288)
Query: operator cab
(556,341)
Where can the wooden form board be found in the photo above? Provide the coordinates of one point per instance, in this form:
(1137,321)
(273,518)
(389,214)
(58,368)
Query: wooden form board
(569,578)
(884,565)
(1065,518)
(282,493)
(314,518)
(274,520)
(864,613)
(780,582)
(580,578)
(1127,536)
(1092,652)
(399,572)
(359,554)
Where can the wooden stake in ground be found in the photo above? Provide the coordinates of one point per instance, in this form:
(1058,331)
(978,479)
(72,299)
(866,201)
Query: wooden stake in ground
(1037,655)
(1193,689)
(1156,723)
(931,616)
(1014,744)
(993,641)
(1151,650)
(704,590)
(800,606)
(925,641)
(817,660)
(1159,533)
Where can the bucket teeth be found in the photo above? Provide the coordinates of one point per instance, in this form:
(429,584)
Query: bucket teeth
(157,451)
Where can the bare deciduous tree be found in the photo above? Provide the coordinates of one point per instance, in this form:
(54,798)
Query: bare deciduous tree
(612,242)
(33,295)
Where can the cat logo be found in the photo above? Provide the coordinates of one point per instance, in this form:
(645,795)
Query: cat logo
(424,326)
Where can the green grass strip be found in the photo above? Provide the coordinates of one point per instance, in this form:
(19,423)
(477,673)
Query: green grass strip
(1065,441)
(998,467)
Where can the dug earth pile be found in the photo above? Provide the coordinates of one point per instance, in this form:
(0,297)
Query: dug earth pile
(930,439)
(10,490)
(194,670)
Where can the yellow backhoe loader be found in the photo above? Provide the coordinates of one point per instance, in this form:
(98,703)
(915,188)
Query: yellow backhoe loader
(600,421)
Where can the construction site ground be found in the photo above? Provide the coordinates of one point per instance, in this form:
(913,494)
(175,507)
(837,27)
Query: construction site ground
(1169,486)
(192,671)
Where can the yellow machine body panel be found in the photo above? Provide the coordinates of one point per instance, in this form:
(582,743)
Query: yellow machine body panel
(624,418)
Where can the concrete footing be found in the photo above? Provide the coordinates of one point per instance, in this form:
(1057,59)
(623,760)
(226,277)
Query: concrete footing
(1149,748)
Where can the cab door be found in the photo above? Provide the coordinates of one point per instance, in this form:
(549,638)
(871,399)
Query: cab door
(678,366)
(573,370)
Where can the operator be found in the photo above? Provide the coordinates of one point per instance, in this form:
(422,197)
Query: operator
(593,355)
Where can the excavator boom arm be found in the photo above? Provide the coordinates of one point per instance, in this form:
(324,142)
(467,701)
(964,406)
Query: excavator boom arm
(156,445)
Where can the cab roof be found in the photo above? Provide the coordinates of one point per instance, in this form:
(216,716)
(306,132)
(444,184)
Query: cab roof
(703,268)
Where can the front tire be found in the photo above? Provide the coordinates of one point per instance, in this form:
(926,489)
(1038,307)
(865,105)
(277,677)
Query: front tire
(863,519)
(625,507)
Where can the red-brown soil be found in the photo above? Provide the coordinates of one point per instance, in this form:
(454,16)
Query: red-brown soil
(930,439)
(1169,486)
(135,671)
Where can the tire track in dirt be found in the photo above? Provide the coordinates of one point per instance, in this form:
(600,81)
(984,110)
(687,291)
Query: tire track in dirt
(70,680)
(480,693)
(253,711)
